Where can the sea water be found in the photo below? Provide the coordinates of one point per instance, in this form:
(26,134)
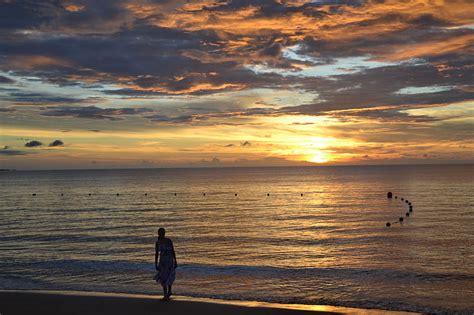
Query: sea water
(307,235)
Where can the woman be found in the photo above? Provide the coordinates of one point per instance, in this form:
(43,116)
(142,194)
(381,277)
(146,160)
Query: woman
(167,265)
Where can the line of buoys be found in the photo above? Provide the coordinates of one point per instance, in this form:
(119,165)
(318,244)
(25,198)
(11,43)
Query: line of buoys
(175,194)
(400,221)
(407,214)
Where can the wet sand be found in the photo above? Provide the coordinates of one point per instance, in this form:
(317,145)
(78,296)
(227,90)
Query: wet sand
(72,302)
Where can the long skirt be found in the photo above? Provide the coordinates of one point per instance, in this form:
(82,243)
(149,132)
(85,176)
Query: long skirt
(166,271)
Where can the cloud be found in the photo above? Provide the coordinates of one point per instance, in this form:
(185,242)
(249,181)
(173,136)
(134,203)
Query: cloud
(175,120)
(33,143)
(7,151)
(245,144)
(6,110)
(218,64)
(5,80)
(211,52)
(24,97)
(92,112)
(56,143)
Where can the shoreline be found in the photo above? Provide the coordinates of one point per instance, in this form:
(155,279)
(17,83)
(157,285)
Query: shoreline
(84,302)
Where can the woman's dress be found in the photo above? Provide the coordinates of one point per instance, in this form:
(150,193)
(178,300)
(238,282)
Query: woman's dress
(166,266)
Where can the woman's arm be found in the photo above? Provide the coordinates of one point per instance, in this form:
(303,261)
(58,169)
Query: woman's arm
(156,255)
(174,255)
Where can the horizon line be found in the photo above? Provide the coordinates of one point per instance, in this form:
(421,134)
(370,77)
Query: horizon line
(230,166)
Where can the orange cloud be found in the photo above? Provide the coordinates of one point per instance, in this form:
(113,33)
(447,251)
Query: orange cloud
(461,44)
(74,7)
(198,87)
(347,23)
(32,62)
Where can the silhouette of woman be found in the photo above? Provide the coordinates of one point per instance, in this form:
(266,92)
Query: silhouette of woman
(167,264)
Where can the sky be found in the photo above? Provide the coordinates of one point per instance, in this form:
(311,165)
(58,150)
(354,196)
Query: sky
(171,83)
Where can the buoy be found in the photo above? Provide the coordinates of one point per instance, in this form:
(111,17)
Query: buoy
(407,214)
(402,199)
(389,195)
(406,201)
(411,210)
(175,194)
(33,194)
(146,194)
(118,194)
(62,194)
(203,194)
(268,195)
(409,203)
(400,219)
(89,194)
(235,195)
(388,224)
(301,195)
(396,197)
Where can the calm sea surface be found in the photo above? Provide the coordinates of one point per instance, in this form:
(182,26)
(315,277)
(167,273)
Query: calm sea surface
(327,246)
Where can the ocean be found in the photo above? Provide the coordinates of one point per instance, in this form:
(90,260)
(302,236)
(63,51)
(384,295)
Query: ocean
(306,235)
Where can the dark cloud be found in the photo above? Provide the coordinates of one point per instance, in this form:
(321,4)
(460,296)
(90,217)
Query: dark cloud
(42,98)
(6,151)
(6,110)
(380,87)
(245,144)
(5,80)
(92,112)
(56,143)
(165,119)
(32,13)
(33,143)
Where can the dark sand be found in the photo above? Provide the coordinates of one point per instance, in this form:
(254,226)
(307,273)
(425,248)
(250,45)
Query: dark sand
(58,302)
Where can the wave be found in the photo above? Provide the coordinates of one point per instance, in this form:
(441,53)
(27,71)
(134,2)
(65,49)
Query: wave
(247,271)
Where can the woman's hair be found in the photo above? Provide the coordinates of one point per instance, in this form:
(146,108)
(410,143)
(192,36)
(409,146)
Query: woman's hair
(161,232)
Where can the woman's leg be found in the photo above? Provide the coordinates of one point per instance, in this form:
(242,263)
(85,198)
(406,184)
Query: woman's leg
(165,292)
(169,291)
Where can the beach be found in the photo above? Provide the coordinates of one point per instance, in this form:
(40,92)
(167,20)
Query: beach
(74,302)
